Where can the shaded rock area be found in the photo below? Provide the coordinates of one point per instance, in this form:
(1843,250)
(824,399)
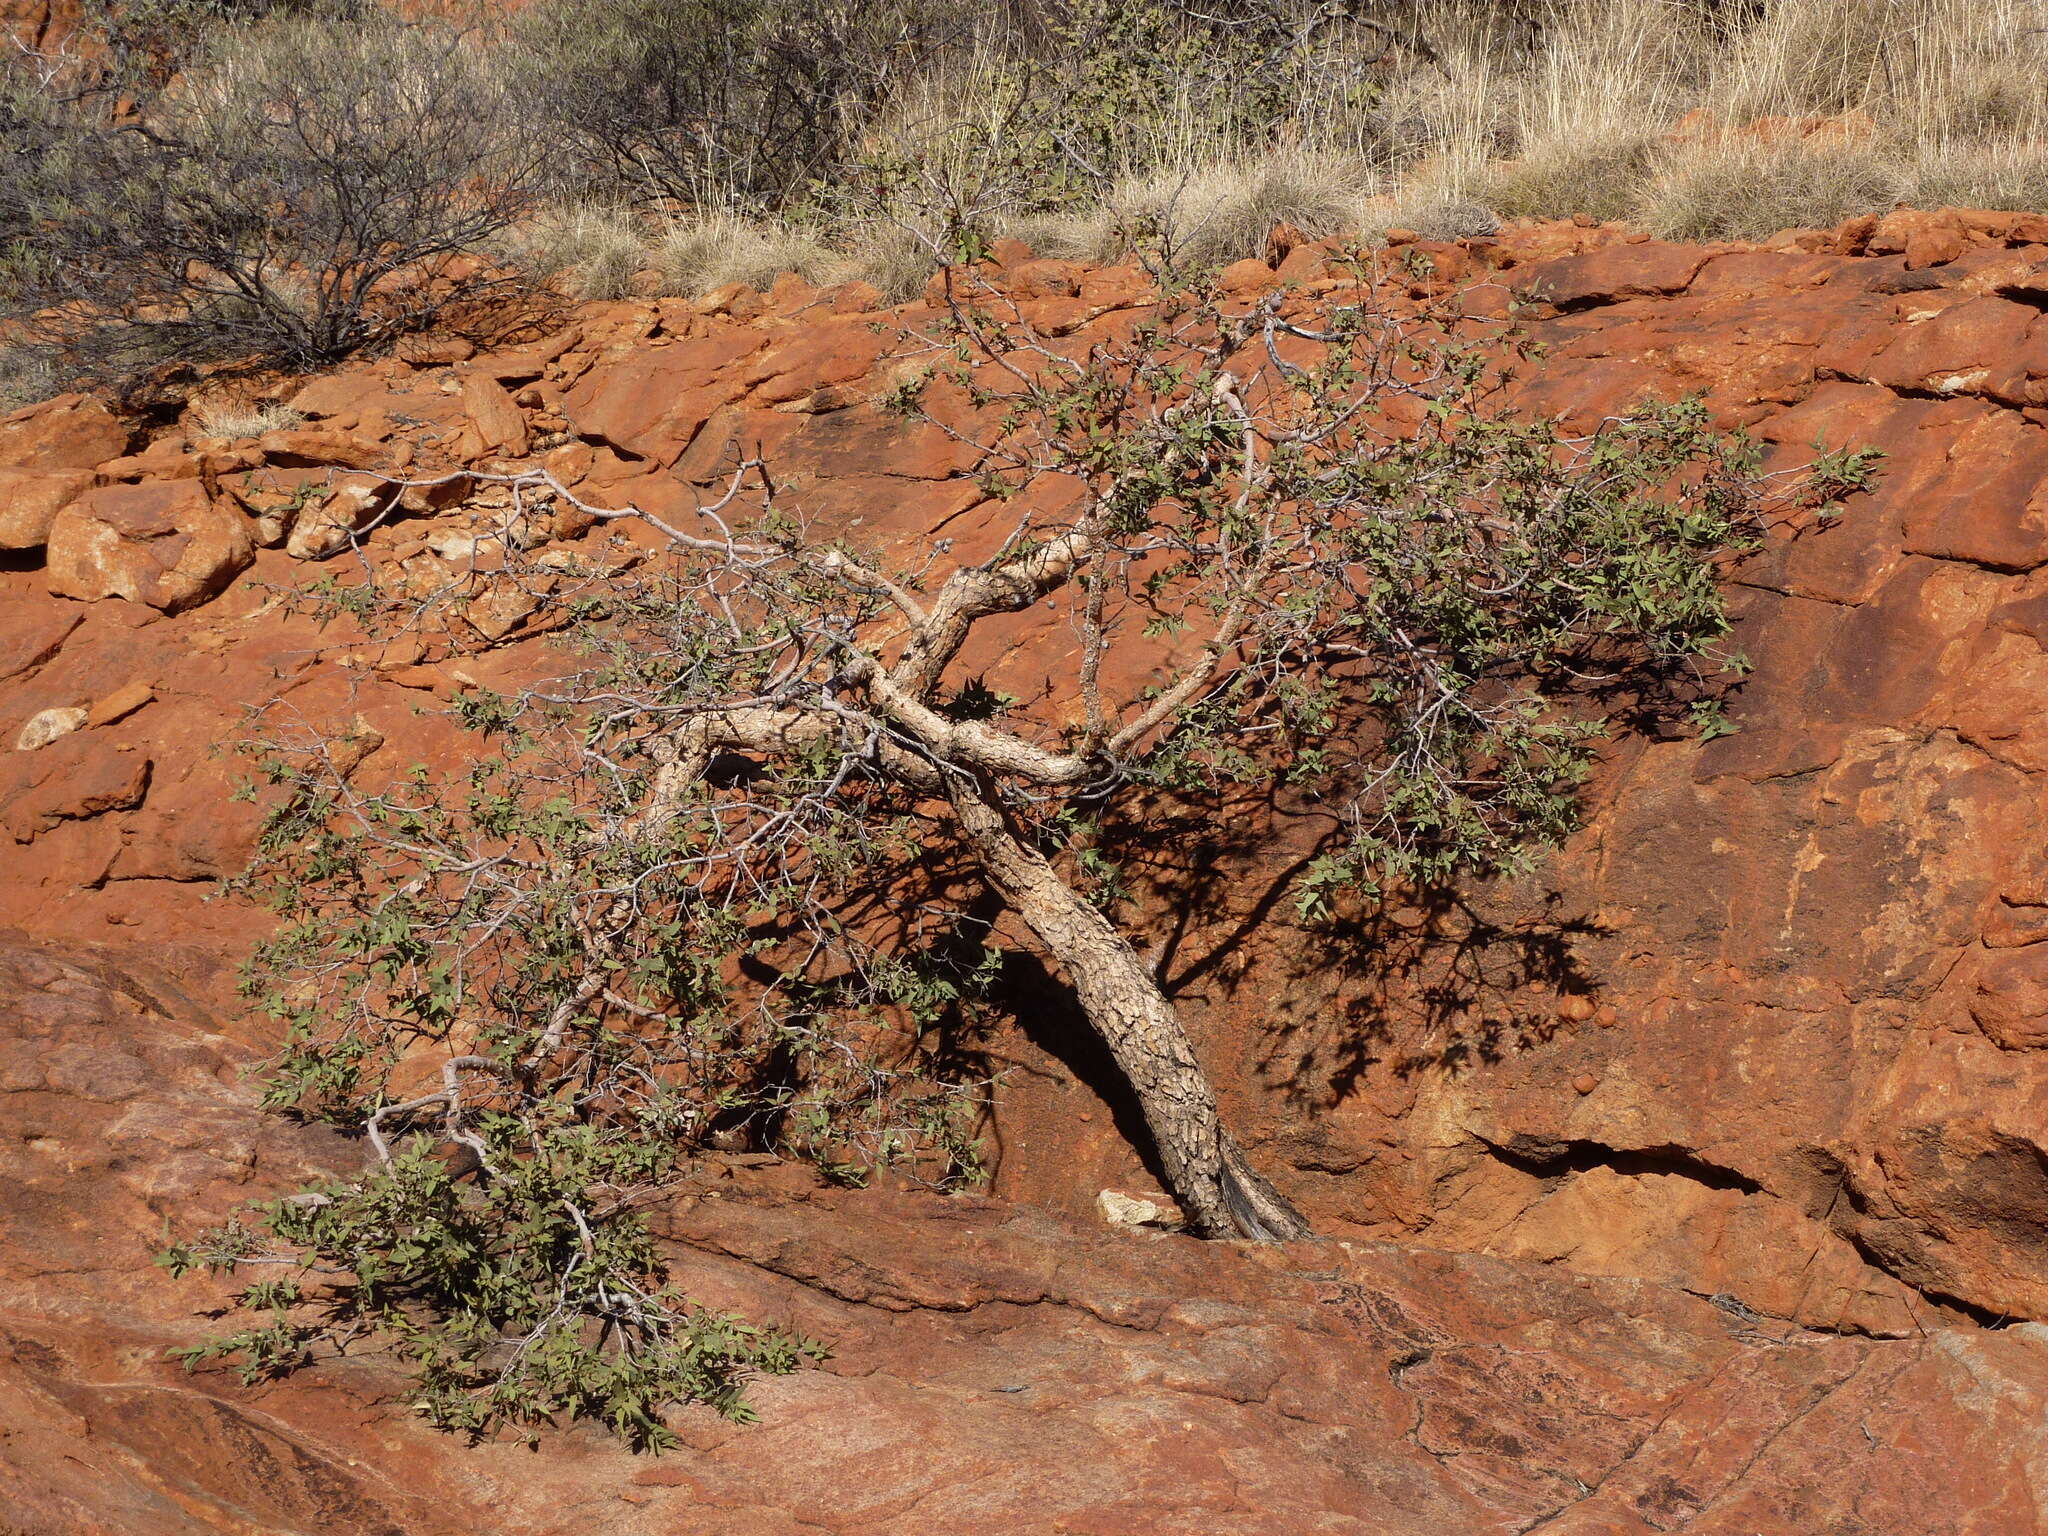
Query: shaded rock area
(1697,1181)
(995,1367)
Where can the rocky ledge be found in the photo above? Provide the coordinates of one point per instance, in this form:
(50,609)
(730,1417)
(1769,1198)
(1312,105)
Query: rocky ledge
(995,1367)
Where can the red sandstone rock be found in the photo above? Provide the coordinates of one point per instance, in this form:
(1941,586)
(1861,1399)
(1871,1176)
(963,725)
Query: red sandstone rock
(528,362)
(995,1369)
(1984,346)
(1993,508)
(74,778)
(497,422)
(69,432)
(1248,278)
(1807,949)
(120,704)
(654,405)
(833,352)
(337,395)
(168,458)
(306,446)
(164,543)
(1612,272)
(1928,238)
(30,634)
(30,500)
(435,351)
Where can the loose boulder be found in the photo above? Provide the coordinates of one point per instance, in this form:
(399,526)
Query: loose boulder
(495,422)
(164,543)
(47,725)
(69,432)
(30,500)
(329,525)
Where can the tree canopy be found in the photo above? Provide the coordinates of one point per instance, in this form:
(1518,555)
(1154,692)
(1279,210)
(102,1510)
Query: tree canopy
(721,880)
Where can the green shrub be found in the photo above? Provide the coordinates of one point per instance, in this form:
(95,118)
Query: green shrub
(513,1297)
(594,1006)
(731,883)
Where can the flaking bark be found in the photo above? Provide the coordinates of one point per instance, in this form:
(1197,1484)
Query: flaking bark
(1220,1192)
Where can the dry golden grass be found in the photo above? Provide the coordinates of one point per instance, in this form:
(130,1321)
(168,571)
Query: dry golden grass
(1747,188)
(1214,214)
(1689,119)
(595,252)
(699,257)
(235,419)
(1934,101)
(1990,173)
(895,259)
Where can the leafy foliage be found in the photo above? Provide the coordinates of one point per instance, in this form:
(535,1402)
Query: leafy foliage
(512,1300)
(607,995)
(1429,607)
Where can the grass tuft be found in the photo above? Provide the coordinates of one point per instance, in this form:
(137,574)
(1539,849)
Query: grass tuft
(236,419)
(698,258)
(1732,187)
(593,252)
(1208,216)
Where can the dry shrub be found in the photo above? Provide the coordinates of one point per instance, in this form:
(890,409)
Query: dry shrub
(1087,128)
(27,374)
(304,186)
(1577,115)
(840,140)
(1641,110)
(1946,95)
(1558,179)
(1811,57)
(742,104)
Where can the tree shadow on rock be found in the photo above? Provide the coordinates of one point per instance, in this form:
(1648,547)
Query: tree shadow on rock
(1440,987)
(1044,1010)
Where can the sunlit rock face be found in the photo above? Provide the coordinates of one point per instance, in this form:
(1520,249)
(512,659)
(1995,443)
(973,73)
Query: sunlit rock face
(1695,1180)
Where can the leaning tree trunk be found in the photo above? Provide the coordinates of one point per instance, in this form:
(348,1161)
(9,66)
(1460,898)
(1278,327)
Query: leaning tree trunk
(1222,1195)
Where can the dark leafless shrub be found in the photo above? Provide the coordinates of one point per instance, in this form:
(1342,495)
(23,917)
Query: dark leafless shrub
(743,104)
(298,189)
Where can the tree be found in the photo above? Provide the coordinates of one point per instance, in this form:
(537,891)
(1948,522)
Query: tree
(714,883)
